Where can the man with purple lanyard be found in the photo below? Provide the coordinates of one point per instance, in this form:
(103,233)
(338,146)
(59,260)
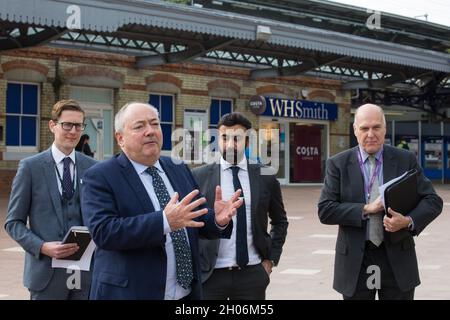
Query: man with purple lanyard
(368,258)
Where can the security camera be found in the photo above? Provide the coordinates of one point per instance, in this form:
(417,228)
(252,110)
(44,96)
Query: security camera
(263,33)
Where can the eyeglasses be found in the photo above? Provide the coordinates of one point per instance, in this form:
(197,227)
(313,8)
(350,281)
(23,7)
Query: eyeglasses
(69,125)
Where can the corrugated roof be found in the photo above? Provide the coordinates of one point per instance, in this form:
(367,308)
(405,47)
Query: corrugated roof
(109,16)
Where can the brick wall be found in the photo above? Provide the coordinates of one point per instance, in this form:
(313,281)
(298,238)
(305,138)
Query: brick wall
(6,178)
(193,83)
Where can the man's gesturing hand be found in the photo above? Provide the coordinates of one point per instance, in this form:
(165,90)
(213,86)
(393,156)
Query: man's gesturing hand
(225,210)
(181,214)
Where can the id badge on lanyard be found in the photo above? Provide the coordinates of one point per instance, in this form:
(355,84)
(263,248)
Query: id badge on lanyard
(368,187)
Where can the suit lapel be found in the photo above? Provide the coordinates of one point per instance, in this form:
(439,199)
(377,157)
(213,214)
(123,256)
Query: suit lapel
(389,165)
(171,173)
(48,167)
(355,174)
(135,182)
(81,167)
(255,181)
(214,173)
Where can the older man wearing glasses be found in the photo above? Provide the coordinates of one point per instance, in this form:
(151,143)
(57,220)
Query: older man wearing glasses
(45,203)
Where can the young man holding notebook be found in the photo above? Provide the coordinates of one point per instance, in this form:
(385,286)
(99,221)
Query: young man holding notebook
(46,194)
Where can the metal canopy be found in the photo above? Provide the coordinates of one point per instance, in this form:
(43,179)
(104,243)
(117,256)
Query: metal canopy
(157,33)
(342,18)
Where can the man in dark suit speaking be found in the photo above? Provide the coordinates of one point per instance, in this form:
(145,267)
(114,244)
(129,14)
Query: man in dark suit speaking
(240,267)
(350,198)
(145,215)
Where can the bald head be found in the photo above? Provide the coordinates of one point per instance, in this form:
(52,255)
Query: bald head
(369,109)
(370,127)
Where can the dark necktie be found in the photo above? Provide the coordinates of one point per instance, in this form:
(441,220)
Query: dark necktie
(241,228)
(181,247)
(67,183)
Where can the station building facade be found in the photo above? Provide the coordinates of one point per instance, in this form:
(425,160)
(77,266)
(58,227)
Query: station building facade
(311,115)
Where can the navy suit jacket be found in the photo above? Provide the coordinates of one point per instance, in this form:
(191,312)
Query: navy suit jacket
(130,260)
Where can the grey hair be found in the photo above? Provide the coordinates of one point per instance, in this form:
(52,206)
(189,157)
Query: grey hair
(120,116)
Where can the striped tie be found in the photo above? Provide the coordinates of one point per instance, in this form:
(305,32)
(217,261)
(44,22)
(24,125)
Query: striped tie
(376,220)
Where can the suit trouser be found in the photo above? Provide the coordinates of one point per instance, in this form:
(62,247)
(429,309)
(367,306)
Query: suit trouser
(249,283)
(58,287)
(389,290)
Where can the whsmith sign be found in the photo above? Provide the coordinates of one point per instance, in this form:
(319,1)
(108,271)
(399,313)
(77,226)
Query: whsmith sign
(297,109)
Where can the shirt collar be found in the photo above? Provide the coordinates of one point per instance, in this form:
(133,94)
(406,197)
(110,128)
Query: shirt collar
(58,156)
(140,168)
(365,155)
(226,165)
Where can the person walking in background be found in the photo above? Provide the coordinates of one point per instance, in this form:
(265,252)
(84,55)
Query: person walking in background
(84,147)
(403,145)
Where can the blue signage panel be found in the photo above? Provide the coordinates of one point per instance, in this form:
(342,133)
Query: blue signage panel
(300,109)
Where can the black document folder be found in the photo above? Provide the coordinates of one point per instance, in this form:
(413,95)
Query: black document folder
(402,197)
(80,236)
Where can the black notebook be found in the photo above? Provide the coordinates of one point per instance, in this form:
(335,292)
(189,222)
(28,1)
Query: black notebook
(402,196)
(79,235)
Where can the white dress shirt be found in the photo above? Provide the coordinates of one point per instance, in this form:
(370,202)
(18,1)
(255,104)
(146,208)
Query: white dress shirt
(227,247)
(174,290)
(58,156)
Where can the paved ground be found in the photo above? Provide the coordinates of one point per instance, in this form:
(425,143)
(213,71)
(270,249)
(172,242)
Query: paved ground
(306,267)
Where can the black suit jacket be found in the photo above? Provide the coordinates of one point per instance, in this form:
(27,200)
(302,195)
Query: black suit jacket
(342,201)
(266,201)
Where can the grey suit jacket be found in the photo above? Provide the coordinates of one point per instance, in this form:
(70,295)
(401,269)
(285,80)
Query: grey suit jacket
(266,201)
(342,201)
(35,199)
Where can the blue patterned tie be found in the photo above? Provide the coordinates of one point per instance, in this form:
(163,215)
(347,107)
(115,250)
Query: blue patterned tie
(241,225)
(181,247)
(67,183)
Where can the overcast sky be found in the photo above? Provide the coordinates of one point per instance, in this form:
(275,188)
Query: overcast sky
(438,11)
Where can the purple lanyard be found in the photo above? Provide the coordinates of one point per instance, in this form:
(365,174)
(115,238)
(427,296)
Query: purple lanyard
(368,188)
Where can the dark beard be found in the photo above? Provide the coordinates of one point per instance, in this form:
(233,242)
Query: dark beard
(232,156)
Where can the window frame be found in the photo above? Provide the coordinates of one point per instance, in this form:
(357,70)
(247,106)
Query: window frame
(20,148)
(172,127)
(214,126)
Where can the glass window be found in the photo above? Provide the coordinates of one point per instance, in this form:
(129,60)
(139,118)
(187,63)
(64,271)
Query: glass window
(165,106)
(30,99)
(166,109)
(22,102)
(218,108)
(13,97)
(12,130)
